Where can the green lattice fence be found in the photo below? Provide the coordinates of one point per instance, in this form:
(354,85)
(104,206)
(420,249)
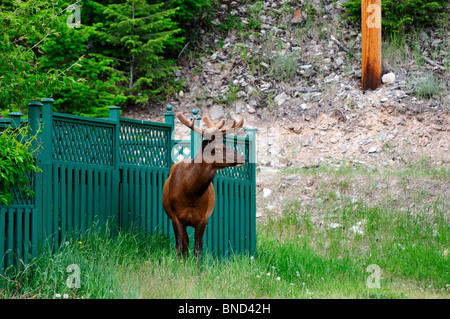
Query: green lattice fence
(97,171)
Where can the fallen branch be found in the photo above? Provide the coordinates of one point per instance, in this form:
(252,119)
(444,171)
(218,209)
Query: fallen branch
(343,47)
(433,63)
(183,50)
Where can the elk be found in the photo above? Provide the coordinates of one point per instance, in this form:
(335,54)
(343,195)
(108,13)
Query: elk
(188,193)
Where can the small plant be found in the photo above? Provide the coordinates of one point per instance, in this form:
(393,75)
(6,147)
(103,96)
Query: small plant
(427,87)
(16,163)
(284,67)
(231,95)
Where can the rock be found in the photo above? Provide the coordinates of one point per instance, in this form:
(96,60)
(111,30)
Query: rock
(266,192)
(339,61)
(241,94)
(306,69)
(251,110)
(423,35)
(333,139)
(217,112)
(239,105)
(253,103)
(373,149)
(436,42)
(281,98)
(180,94)
(298,17)
(400,94)
(384,99)
(388,78)
(334,225)
(304,106)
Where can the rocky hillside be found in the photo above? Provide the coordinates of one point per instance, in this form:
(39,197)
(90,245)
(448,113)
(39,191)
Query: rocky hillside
(296,77)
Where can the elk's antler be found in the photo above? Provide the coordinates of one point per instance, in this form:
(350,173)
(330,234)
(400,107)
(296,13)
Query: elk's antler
(212,129)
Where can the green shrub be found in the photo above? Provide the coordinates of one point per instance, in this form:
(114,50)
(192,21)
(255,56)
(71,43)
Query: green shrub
(16,162)
(189,9)
(397,15)
(427,86)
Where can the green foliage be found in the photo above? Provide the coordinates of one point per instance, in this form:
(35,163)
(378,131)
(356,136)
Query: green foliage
(16,162)
(88,81)
(189,9)
(24,24)
(398,15)
(140,32)
(120,54)
(41,57)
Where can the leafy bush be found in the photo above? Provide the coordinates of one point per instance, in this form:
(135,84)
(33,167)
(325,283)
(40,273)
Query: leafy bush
(189,9)
(16,162)
(398,15)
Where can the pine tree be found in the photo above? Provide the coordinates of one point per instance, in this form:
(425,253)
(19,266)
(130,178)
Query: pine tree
(138,32)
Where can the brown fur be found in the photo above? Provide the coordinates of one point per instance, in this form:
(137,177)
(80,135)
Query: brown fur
(188,194)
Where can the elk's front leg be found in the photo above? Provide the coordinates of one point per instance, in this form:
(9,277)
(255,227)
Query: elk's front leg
(181,238)
(199,232)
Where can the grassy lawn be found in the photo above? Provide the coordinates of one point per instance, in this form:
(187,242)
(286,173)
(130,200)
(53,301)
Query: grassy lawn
(297,256)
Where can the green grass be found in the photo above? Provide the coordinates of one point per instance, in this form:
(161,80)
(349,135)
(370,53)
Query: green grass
(420,168)
(299,254)
(295,258)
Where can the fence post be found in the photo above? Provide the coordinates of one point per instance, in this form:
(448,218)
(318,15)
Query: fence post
(114,115)
(169,118)
(47,119)
(371,44)
(196,139)
(37,215)
(45,199)
(15,122)
(15,119)
(251,133)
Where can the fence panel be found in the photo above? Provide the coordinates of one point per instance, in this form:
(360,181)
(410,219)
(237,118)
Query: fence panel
(99,170)
(141,198)
(15,235)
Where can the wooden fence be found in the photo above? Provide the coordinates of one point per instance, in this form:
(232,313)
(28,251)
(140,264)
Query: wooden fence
(113,170)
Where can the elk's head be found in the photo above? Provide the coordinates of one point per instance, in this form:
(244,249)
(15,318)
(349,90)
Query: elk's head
(213,151)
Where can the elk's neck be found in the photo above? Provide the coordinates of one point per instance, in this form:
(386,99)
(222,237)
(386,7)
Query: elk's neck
(202,176)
